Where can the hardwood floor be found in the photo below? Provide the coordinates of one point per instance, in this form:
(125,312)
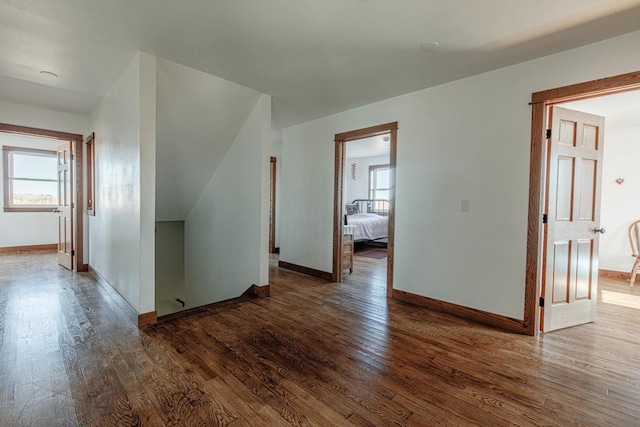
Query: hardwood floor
(314,353)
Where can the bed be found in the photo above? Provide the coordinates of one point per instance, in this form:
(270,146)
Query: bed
(370,217)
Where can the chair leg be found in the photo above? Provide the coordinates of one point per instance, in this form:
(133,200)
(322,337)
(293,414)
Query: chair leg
(634,271)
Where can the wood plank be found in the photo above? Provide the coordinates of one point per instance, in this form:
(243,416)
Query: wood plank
(306,270)
(146,319)
(480,316)
(599,87)
(614,274)
(315,353)
(30,131)
(48,247)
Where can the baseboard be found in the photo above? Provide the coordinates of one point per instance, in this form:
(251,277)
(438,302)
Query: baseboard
(261,291)
(614,274)
(83,268)
(146,319)
(254,291)
(491,319)
(10,249)
(306,270)
(130,312)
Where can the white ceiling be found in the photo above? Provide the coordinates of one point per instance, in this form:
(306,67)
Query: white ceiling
(620,110)
(315,57)
(368,147)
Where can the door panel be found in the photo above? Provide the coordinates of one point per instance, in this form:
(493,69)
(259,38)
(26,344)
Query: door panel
(65,204)
(570,276)
(561,264)
(564,204)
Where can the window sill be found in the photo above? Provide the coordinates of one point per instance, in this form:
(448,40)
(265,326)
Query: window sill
(30,209)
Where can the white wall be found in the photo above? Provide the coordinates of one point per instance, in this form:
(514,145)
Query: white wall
(198,116)
(148,65)
(169,260)
(23,115)
(359,188)
(620,203)
(226,232)
(121,232)
(26,228)
(468,139)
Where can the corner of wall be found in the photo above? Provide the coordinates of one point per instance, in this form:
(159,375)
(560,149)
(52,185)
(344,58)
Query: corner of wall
(147,181)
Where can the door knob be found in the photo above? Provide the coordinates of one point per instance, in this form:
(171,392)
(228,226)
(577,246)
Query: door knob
(600,230)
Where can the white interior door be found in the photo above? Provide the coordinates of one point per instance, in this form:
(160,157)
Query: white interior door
(64,210)
(574,176)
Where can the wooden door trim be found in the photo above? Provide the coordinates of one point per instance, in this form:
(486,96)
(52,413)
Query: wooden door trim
(76,148)
(540,101)
(338,200)
(272,204)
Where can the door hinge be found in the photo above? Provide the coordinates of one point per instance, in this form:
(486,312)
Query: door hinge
(72,157)
(541,302)
(545,218)
(73,205)
(548,133)
(73,253)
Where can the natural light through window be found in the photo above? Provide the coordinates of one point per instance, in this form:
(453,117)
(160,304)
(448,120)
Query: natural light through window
(30,178)
(379,185)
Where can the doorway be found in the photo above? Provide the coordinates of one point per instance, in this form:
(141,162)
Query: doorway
(539,217)
(343,244)
(272,204)
(70,212)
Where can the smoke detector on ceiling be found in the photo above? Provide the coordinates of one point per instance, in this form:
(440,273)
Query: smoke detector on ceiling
(429,47)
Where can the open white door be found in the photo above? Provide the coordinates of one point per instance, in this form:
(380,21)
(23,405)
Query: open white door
(64,210)
(572,232)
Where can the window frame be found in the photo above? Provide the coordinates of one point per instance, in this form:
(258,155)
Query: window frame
(91,174)
(8,180)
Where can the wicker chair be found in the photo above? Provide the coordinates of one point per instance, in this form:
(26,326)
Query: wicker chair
(634,241)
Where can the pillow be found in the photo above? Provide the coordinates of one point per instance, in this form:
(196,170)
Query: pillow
(352,208)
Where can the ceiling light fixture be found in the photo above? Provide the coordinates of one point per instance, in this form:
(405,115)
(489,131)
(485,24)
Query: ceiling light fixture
(49,74)
(429,47)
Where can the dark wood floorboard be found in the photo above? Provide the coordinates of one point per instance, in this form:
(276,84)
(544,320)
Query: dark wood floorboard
(313,354)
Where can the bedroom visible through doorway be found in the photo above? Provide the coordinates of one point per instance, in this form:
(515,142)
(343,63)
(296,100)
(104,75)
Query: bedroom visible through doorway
(364,204)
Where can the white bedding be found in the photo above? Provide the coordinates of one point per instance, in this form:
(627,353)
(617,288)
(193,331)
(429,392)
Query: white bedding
(369,226)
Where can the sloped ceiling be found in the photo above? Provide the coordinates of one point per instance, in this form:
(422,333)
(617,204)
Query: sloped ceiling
(198,118)
(315,57)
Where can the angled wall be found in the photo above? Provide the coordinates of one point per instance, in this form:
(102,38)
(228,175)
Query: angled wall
(226,231)
(199,115)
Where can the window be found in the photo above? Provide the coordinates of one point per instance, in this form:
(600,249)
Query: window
(379,182)
(30,179)
(379,186)
(91,175)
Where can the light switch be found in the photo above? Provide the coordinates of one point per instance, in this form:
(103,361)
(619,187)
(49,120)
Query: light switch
(465,205)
